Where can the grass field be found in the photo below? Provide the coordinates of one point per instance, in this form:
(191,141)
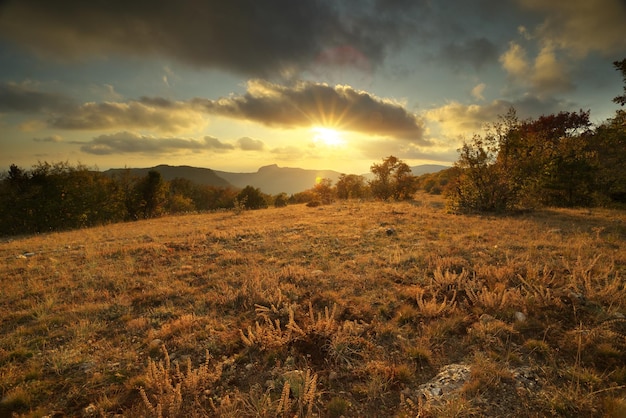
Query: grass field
(341,310)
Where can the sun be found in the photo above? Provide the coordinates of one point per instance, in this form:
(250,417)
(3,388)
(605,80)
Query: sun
(327,136)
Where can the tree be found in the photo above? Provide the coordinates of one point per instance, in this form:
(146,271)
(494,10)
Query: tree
(152,193)
(518,165)
(351,186)
(252,198)
(281,200)
(609,144)
(324,191)
(393,179)
(621,67)
(481,184)
(551,160)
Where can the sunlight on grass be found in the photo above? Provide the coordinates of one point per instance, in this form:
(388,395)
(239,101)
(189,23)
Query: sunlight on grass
(302,311)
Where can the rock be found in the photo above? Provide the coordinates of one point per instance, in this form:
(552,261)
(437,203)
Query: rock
(390,231)
(520,317)
(447,382)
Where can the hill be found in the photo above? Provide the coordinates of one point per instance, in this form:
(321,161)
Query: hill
(273,179)
(418,170)
(204,176)
(270,179)
(355,309)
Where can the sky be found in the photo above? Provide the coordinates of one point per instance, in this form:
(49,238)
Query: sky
(317,84)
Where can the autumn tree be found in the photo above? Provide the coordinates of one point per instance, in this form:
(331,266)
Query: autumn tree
(252,198)
(151,191)
(323,189)
(281,200)
(621,67)
(519,165)
(548,159)
(351,186)
(393,180)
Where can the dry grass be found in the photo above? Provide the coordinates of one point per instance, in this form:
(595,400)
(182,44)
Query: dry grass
(317,312)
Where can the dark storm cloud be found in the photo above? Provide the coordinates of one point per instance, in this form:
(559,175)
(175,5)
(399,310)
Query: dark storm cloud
(311,104)
(23,99)
(133,143)
(260,38)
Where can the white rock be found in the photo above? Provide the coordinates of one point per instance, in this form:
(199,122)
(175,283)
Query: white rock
(520,317)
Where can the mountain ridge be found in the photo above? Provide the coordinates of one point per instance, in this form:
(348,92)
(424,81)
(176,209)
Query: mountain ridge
(270,179)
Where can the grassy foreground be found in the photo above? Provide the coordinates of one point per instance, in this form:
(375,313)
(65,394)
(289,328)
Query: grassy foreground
(341,310)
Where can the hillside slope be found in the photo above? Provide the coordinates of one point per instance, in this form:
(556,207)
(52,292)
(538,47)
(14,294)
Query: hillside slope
(273,179)
(355,309)
(204,176)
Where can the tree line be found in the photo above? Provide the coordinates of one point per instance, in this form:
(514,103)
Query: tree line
(59,196)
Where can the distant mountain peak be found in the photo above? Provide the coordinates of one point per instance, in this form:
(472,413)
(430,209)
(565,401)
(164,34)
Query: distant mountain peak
(268,168)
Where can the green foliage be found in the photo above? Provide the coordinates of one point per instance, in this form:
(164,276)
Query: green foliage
(394,180)
(151,191)
(252,198)
(59,196)
(436,183)
(609,145)
(621,67)
(281,200)
(56,196)
(521,164)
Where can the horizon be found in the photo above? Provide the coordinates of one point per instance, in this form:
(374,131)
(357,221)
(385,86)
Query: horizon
(211,85)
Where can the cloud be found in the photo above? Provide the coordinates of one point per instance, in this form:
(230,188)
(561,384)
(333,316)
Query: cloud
(376,149)
(550,74)
(582,26)
(545,75)
(52,138)
(309,104)
(515,61)
(263,39)
(477,91)
(21,98)
(458,119)
(463,120)
(250,144)
(133,143)
(217,145)
(154,114)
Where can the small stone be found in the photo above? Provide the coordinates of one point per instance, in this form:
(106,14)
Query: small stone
(316,273)
(436,391)
(520,317)
(390,231)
